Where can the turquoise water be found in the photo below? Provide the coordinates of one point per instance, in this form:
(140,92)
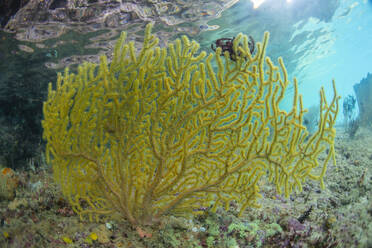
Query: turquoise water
(346,54)
(316,47)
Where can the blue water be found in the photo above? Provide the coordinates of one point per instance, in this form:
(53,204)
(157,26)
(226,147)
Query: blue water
(346,57)
(317,46)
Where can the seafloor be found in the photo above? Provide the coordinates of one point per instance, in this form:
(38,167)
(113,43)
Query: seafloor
(338,216)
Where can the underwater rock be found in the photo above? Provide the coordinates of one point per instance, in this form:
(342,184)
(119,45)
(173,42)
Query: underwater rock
(363,92)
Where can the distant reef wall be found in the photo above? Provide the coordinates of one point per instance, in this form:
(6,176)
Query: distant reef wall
(363,92)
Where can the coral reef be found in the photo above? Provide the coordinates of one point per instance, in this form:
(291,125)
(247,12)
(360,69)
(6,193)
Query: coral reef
(363,92)
(352,121)
(341,215)
(349,108)
(161,132)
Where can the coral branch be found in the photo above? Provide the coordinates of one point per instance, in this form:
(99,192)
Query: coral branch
(164,132)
